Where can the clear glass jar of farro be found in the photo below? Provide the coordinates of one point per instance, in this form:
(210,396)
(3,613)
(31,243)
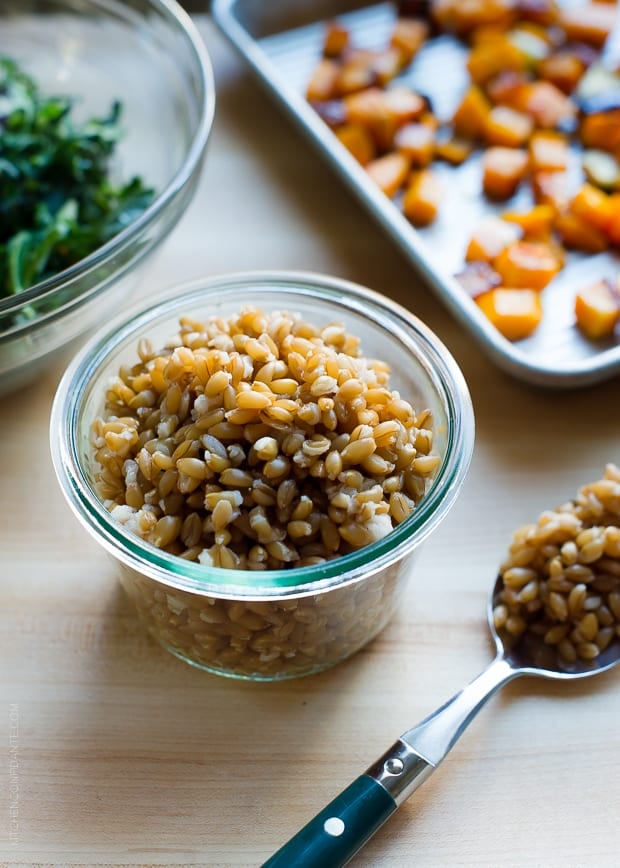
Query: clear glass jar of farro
(258,622)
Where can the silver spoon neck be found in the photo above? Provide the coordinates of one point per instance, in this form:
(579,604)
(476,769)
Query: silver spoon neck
(433,738)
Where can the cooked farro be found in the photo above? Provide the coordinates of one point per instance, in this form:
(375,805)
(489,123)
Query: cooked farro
(260,442)
(561,580)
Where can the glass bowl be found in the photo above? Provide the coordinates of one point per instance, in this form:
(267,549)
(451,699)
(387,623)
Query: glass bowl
(148,55)
(276,623)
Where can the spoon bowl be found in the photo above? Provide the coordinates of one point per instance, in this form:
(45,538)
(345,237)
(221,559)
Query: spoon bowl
(530,656)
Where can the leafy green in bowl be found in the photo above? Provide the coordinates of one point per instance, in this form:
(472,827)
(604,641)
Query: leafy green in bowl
(59,200)
(90,190)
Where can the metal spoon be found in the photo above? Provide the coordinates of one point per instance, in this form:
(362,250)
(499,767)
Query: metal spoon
(352,818)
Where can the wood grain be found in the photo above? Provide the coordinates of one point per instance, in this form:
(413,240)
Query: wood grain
(126,756)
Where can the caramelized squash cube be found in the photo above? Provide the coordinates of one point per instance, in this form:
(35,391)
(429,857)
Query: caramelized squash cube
(548,152)
(489,238)
(597,309)
(336,39)
(470,117)
(503,169)
(417,142)
(515,313)
(322,84)
(548,106)
(358,141)
(507,127)
(422,198)
(454,151)
(509,88)
(551,188)
(578,234)
(613,226)
(489,58)
(528,264)
(601,130)
(536,223)
(387,65)
(408,37)
(463,17)
(389,172)
(356,72)
(591,23)
(404,104)
(593,206)
(563,69)
(543,12)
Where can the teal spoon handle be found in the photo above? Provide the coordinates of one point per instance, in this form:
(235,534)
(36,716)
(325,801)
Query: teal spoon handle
(339,830)
(344,826)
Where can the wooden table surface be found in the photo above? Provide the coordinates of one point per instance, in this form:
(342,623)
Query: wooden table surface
(114,752)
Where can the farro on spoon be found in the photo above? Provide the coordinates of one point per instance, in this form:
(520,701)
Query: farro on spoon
(553,612)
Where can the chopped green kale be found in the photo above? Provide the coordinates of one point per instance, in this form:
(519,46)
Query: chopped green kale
(58,202)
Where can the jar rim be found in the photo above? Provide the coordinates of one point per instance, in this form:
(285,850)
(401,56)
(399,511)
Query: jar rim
(168,569)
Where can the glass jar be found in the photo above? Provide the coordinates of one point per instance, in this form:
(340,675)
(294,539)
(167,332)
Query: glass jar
(277,623)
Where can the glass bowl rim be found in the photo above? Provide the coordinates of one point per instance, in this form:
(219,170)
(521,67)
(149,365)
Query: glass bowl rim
(181,20)
(171,570)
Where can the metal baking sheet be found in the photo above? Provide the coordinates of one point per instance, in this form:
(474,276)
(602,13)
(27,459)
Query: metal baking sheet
(282,42)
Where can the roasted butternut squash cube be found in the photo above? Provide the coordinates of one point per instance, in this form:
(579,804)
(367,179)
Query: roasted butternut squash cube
(601,130)
(389,172)
(503,169)
(358,141)
(422,198)
(593,206)
(509,88)
(404,104)
(528,264)
(548,152)
(388,63)
(408,36)
(454,151)
(486,34)
(563,69)
(322,83)
(356,72)
(551,188)
(487,59)
(591,23)
(543,12)
(515,313)
(336,39)
(597,309)
(489,238)
(417,142)
(462,18)
(536,223)
(576,233)
(470,117)
(548,106)
(613,227)
(507,127)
